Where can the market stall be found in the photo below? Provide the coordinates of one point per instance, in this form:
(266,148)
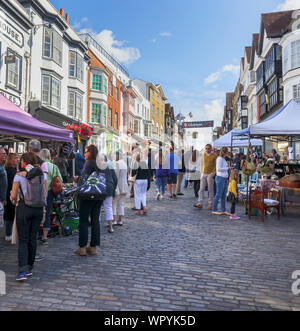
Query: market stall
(16,123)
(281,126)
(17,126)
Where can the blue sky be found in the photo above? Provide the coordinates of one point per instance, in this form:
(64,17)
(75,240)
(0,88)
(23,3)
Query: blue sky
(192,48)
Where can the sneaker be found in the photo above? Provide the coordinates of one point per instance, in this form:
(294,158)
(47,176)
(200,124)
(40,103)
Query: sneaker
(161,197)
(21,277)
(120,224)
(111,231)
(234,217)
(158,196)
(8,238)
(180,194)
(44,242)
(39,257)
(29,273)
(115,223)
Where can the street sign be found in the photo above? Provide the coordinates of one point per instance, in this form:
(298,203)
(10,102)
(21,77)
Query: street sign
(198,125)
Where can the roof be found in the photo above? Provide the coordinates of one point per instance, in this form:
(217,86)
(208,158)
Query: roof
(229,100)
(277,23)
(248,53)
(255,37)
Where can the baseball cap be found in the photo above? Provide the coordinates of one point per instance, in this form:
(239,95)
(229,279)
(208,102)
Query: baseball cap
(35,145)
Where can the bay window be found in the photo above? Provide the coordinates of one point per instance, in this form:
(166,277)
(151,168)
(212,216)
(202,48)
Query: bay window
(295,55)
(296,92)
(14,70)
(75,105)
(51,91)
(52,46)
(96,113)
(76,66)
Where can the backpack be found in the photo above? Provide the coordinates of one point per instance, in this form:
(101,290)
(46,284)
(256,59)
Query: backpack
(36,193)
(92,187)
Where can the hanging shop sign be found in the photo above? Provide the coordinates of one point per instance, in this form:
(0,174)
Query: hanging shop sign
(198,125)
(11,32)
(14,99)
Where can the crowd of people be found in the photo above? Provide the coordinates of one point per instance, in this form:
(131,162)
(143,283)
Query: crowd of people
(29,206)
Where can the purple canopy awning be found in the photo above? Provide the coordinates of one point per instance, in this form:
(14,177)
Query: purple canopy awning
(16,122)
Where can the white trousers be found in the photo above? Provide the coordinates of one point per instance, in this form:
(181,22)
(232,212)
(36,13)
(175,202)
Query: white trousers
(118,205)
(140,193)
(108,209)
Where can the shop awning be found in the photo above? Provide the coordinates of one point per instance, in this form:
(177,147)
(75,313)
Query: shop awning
(285,122)
(16,122)
(225,141)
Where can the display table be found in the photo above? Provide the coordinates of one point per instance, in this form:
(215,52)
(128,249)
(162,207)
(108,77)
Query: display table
(289,197)
(267,184)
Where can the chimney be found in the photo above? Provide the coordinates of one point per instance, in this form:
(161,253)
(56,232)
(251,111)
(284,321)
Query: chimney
(62,12)
(67,18)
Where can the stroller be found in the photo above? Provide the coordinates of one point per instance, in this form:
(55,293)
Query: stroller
(64,216)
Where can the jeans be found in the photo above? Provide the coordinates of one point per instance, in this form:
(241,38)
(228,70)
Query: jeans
(89,209)
(28,223)
(196,187)
(233,203)
(179,181)
(222,188)
(161,183)
(50,199)
(8,227)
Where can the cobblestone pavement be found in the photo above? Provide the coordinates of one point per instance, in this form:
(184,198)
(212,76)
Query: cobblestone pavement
(176,258)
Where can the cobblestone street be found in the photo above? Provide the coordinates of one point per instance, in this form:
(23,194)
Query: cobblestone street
(176,258)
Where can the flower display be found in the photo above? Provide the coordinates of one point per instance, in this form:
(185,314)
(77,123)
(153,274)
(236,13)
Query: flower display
(81,131)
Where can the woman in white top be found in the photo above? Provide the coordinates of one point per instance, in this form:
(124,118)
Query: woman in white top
(122,189)
(221,182)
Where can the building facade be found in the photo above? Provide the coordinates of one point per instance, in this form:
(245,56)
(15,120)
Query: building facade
(59,63)
(169,123)
(16,29)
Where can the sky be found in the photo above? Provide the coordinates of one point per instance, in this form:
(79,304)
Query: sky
(193,48)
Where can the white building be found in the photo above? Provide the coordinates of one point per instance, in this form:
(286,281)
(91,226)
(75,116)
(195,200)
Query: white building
(15,31)
(290,43)
(59,63)
(142,121)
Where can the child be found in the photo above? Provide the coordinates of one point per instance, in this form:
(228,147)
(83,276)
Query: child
(233,195)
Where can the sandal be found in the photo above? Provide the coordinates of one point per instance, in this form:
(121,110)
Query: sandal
(198,206)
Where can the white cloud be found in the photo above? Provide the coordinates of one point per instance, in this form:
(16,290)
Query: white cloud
(165,34)
(214,111)
(154,40)
(215,76)
(126,55)
(289,5)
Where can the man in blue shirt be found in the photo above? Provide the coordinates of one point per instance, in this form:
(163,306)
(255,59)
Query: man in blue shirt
(172,163)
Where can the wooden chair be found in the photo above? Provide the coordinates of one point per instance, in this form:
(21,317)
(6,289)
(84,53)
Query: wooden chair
(263,201)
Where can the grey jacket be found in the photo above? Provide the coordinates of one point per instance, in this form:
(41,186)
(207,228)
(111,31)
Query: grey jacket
(121,173)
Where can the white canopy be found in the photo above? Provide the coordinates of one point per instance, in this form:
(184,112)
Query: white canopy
(225,141)
(286,122)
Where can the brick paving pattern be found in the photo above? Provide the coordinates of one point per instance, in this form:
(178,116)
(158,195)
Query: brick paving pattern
(176,258)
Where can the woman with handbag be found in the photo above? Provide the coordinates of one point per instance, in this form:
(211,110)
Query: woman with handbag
(55,188)
(90,208)
(122,189)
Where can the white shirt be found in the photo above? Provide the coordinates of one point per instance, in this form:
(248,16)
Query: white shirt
(222,167)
